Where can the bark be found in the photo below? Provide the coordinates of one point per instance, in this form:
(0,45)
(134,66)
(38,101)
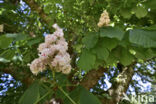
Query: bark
(27,79)
(92,78)
(120,86)
(35,7)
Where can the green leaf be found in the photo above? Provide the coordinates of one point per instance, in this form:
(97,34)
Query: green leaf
(114,56)
(101,52)
(120,54)
(82,96)
(126,13)
(31,95)
(125,41)
(34,41)
(126,57)
(47,9)
(43,90)
(140,11)
(91,2)
(62,79)
(87,60)
(112,32)
(150,4)
(153,27)
(142,53)
(143,38)
(5,41)
(75,95)
(27,57)
(111,59)
(109,43)
(60,94)
(98,63)
(90,40)
(88,98)
(8,54)
(17,37)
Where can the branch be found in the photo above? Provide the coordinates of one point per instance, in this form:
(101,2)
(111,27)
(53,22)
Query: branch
(26,79)
(35,7)
(120,86)
(92,77)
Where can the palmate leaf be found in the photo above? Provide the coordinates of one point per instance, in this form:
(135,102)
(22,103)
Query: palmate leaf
(87,60)
(114,56)
(144,38)
(5,41)
(126,13)
(143,53)
(102,53)
(125,41)
(88,98)
(111,59)
(34,41)
(82,96)
(150,4)
(101,50)
(152,27)
(17,37)
(31,95)
(109,43)
(126,57)
(112,32)
(120,54)
(8,54)
(90,40)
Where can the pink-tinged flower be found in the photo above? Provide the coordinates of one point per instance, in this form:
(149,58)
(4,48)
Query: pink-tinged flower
(42,46)
(54,63)
(60,48)
(55,26)
(59,33)
(49,39)
(37,66)
(48,52)
(63,43)
(65,56)
(66,69)
(53,53)
(44,59)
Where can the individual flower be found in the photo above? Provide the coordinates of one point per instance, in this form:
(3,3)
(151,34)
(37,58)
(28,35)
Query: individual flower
(37,66)
(49,39)
(63,43)
(42,46)
(48,52)
(66,69)
(59,33)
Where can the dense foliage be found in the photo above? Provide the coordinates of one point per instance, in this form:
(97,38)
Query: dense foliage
(120,51)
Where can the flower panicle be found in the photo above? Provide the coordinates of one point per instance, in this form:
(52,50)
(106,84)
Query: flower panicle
(104,19)
(53,53)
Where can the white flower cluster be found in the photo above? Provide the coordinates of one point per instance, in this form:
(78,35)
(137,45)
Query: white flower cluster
(104,19)
(53,53)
